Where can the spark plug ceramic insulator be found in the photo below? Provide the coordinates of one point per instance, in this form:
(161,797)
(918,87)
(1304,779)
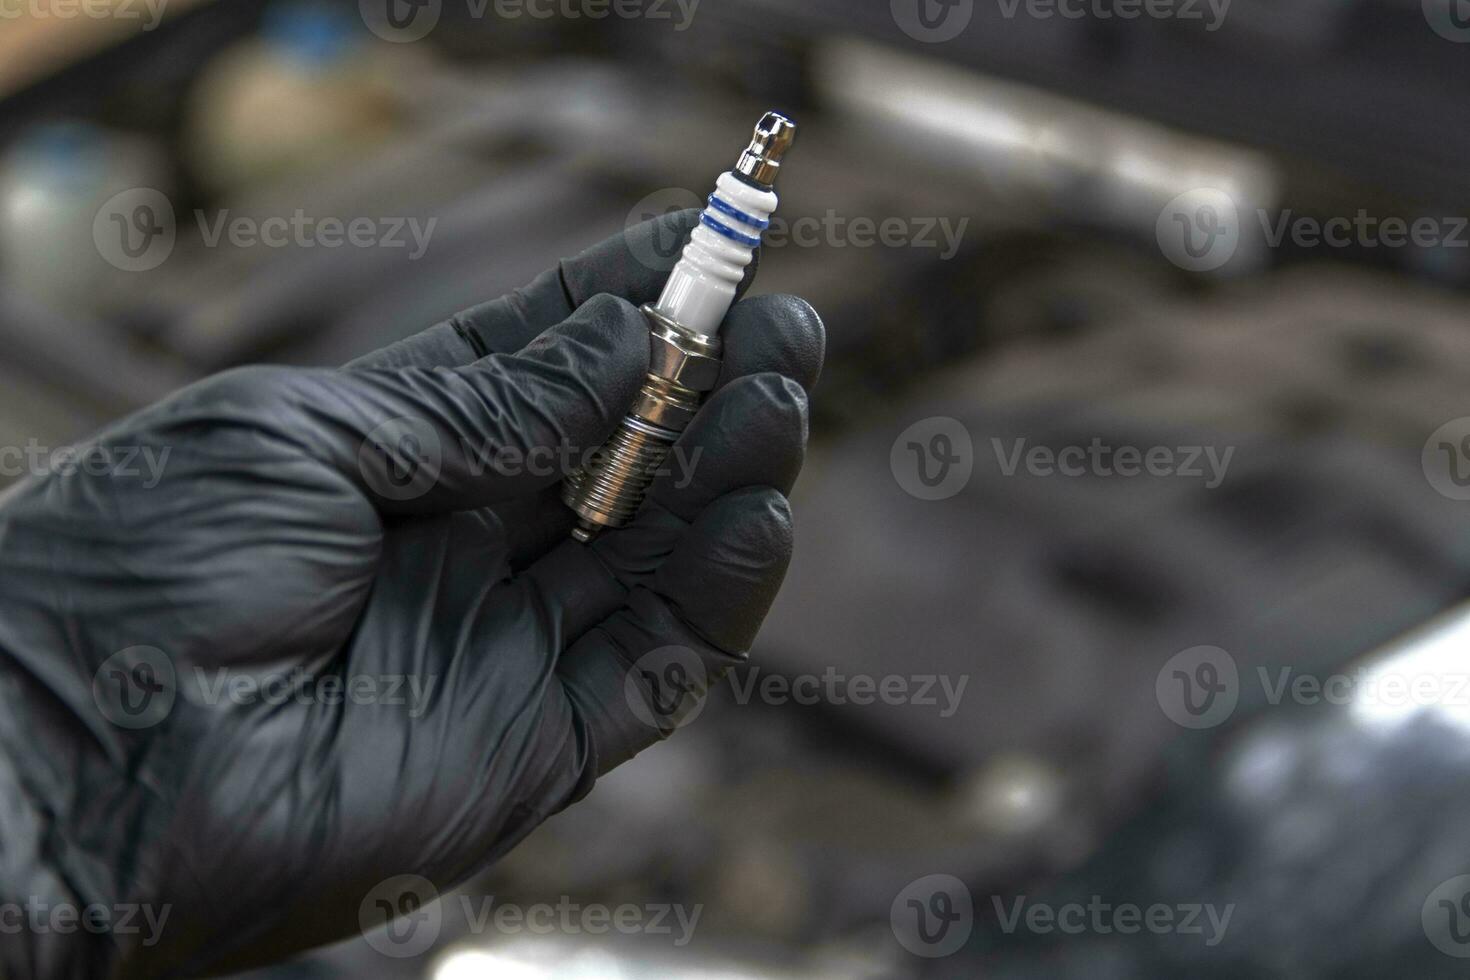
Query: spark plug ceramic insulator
(684,326)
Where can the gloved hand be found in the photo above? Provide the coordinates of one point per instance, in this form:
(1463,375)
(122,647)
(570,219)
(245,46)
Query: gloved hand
(345,637)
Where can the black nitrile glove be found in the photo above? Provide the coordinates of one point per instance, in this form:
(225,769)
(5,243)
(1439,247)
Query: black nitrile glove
(242,688)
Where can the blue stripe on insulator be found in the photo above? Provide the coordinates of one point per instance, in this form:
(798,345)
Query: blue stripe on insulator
(725,207)
(727,231)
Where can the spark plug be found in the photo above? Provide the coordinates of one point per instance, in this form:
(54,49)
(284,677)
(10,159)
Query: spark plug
(684,336)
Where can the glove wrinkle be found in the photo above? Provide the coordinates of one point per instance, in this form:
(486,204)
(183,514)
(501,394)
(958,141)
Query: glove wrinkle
(468,334)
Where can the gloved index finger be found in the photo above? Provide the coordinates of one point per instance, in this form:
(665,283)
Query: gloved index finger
(633,265)
(432,440)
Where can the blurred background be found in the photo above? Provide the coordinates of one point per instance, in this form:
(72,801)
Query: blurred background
(1226,237)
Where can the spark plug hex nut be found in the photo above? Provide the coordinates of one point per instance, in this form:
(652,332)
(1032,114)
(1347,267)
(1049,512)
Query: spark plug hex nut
(678,356)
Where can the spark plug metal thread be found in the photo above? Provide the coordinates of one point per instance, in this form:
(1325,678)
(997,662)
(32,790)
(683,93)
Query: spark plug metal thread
(684,337)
